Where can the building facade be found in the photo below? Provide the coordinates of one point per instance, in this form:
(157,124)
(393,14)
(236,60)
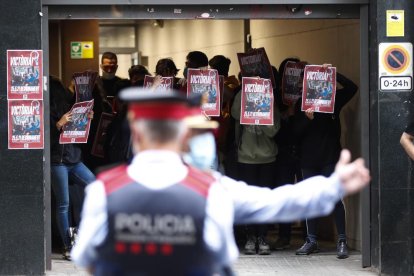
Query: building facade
(385,211)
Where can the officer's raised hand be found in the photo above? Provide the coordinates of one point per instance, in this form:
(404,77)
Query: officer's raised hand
(353,175)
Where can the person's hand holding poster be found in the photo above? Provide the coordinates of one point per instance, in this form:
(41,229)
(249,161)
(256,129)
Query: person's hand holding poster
(158,83)
(256,102)
(255,63)
(84,83)
(25,124)
(77,130)
(205,82)
(292,82)
(319,88)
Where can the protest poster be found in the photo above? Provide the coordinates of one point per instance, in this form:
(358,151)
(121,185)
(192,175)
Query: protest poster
(255,63)
(256,102)
(205,82)
(165,83)
(24,74)
(84,83)
(100,137)
(292,82)
(77,130)
(25,120)
(319,88)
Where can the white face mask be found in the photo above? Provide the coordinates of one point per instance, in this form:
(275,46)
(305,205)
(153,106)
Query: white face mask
(202,154)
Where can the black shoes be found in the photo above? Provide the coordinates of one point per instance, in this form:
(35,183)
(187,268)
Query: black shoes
(256,246)
(312,247)
(66,253)
(307,248)
(250,247)
(342,249)
(263,247)
(73,235)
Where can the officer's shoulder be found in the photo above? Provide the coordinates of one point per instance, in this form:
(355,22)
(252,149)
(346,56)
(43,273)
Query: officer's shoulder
(109,172)
(199,180)
(114,178)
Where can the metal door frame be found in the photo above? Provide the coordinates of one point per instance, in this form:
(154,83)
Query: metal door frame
(241,9)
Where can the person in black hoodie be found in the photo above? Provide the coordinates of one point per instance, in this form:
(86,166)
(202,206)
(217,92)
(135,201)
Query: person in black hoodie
(319,137)
(66,159)
(287,166)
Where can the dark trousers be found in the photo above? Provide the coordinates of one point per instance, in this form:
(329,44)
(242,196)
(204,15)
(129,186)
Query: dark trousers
(286,173)
(261,175)
(339,211)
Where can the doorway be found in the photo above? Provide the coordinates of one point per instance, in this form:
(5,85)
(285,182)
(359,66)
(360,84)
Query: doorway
(334,34)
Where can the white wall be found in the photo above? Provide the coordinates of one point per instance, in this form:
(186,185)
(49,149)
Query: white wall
(178,37)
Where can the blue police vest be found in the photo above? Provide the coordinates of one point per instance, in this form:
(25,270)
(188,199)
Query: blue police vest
(156,232)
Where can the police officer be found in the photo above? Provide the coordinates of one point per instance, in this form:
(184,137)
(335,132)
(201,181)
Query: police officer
(158,216)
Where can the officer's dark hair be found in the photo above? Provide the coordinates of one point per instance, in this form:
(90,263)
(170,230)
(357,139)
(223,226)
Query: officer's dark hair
(109,55)
(166,66)
(196,59)
(221,64)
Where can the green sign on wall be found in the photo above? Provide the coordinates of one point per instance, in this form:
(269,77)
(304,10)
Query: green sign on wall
(81,49)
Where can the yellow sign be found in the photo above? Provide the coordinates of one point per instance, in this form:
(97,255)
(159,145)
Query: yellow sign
(395,23)
(81,49)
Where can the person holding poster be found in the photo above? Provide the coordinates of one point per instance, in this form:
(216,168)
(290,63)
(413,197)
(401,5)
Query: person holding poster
(319,137)
(194,60)
(287,167)
(66,161)
(100,106)
(257,149)
(229,85)
(166,68)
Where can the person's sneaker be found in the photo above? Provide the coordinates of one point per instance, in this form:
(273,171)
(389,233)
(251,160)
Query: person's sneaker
(73,235)
(307,248)
(250,247)
(282,243)
(264,248)
(342,250)
(66,253)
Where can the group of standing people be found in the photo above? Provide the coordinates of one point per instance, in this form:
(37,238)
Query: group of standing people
(297,146)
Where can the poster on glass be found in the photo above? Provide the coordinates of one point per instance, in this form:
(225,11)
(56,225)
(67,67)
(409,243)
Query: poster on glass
(25,124)
(24,74)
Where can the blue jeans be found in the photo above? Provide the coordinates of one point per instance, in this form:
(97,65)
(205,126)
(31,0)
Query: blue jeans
(61,174)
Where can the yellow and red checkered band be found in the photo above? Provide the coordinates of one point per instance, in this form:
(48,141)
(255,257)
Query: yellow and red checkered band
(159,110)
